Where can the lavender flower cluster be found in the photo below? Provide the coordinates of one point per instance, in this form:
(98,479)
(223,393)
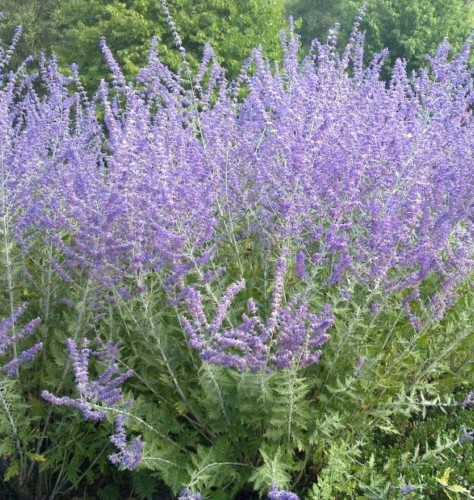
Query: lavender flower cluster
(371,179)
(370,176)
(291,335)
(99,395)
(277,493)
(11,334)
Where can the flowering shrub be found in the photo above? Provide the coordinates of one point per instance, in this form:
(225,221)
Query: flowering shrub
(284,260)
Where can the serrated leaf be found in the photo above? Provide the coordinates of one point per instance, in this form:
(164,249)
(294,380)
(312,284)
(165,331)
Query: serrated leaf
(12,471)
(389,429)
(144,485)
(457,489)
(444,479)
(108,493)
(36,457)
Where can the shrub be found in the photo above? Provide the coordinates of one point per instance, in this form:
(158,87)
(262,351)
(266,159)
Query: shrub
(283,263)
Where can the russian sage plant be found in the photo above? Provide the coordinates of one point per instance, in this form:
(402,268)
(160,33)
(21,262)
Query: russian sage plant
(276,270)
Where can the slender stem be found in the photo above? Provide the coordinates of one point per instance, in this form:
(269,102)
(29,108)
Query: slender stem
(153,328)
(209,370)
(49,415)
(83,475)
(7,244)
(120,411)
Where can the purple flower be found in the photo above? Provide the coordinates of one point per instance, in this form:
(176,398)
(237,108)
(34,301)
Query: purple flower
(224,304)
(129,454)
(105,389)
(125,294)
(370,181)
(252,307)
(276,493)
(404,490)
(300,266)
(11,333)
(289,336)
(360,364)
(466,435)
(96,396)
(187,494)
(83,406)
(469,401)
(11,367)
(409,488)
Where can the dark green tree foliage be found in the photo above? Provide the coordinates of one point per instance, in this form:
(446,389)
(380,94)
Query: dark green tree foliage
(73,28)
(233,28)
(37,19)
(316,17)
(408,28)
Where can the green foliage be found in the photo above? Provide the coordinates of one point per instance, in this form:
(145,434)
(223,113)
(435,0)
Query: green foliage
(331,430)
(408,28)
(425,450)
(412,29)
(37,19)
(45,450)
(318,16)
(73,28)
(16,433)
(326,431)
(276,468)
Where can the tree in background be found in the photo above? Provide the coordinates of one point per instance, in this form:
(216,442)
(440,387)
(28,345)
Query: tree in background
(408,28)
(73,28)
(37,19)
(316,17)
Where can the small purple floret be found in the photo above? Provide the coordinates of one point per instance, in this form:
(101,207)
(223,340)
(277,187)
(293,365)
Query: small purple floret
(276,493)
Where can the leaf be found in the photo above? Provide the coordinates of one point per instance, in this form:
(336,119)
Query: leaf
(144,485)
(108,493)
(12,471)
(36,457)
(457,489)
(444,479)
(275,469)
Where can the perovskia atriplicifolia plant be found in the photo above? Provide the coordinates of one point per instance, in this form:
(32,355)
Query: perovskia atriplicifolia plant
(252,287)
